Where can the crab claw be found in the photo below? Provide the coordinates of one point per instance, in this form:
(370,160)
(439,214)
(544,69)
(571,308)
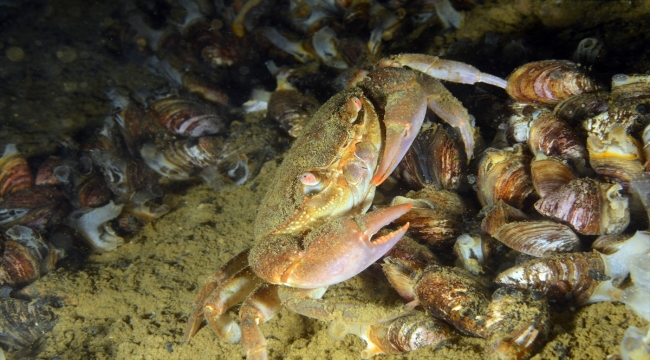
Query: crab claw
(330,254)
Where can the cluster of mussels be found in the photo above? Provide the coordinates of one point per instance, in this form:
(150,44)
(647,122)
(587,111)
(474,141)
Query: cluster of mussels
(563,190)
(565,175)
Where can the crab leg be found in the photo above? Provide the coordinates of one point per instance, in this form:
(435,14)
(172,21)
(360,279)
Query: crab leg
(233,266)
(258,308)
(448,70)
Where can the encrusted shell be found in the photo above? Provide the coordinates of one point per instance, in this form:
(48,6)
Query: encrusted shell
(520,119)
(517,324)
(15,173)
(588,206)
(434,159)
(504,175)
(26,256)
(549,174)
(618,158)
(548,82)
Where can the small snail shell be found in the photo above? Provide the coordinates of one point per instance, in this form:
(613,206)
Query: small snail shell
(435,159)
(618,158)
(549,174)
(548,82)
(516,324)
(504,175)
(588,206)
(15,173)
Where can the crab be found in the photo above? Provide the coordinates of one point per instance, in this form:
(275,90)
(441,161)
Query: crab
(312,228)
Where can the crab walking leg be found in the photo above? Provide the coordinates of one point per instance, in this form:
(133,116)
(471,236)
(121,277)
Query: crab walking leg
(448,70)
(231,292)
(232,267)
(451,110)
(259,307)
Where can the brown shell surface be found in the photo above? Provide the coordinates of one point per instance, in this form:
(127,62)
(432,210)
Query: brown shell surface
(292,110)
(548,82)
(434,159)
(42,207)
(569,277)
(538,238)
(505,175)
(617,158)
(186,117)
(409,332)
(517,324)
(22,323)
(582,106)
(549,174)
(15,174)
(552,136)
(576,204)
(452,295)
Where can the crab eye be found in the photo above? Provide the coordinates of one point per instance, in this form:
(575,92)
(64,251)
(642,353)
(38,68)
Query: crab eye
(352,108)
(312,183)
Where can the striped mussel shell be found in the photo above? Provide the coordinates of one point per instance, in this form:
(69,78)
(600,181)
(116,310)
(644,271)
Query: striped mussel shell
(435,159)
(570,277)
(15,173)
(517,324)
(609,244)
(552,136)
(25,257)
(291,109)
(583,106)
(505,175)
(520,119)
(538,238)
(435,218)
(123,175)
(181,159)
(588,206)
(38,207)
(23,323)
(81,183)
(187,117)
(550,173)
(455,296)
(548,82)
(617,158)
(212,46)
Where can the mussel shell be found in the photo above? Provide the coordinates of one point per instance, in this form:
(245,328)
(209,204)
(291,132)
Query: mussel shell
(549,174)
(517,324)
(569,277)
(588,206)
(292,110)
(551,136)
(538,238)
(187,117)
(22,323)
(37,207)
(453,295)
(15,173)
(434,159)
(24,258)
(549,82)
(617,158)
(505,175)
(582,106)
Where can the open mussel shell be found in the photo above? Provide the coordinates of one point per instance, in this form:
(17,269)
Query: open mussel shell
(15,173)
(588,206)
(549,82)
(505,175)
(617,158)
(22,323)
(517,324)
(436,216)
(435,159)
